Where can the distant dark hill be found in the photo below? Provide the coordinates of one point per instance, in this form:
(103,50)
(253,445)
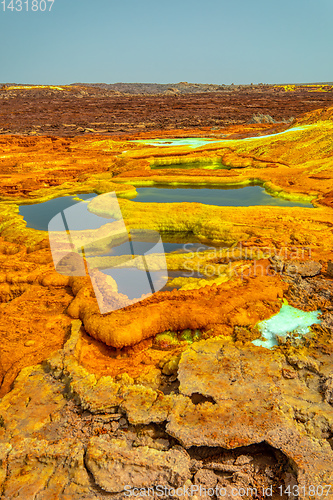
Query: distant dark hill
(160,88)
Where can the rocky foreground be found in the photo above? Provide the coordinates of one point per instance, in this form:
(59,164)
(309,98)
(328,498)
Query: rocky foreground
(93,404)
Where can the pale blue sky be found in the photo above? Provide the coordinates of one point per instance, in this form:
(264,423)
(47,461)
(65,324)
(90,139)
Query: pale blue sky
(212,41)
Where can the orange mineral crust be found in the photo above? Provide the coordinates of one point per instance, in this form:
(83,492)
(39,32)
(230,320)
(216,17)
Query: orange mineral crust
(229,304)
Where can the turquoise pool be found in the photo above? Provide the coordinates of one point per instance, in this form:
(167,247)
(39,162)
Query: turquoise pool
(288,320)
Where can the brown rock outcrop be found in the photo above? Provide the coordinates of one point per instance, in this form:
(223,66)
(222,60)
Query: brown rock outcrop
(241,403)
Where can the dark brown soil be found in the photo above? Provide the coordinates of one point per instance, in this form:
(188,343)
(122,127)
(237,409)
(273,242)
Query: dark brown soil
(88,109)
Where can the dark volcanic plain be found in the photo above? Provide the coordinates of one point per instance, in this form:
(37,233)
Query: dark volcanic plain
(134,108)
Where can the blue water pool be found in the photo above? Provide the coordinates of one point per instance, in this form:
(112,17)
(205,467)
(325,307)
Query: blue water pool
(223,197)
(39,215)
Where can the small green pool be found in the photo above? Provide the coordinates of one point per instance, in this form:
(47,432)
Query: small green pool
(192,142)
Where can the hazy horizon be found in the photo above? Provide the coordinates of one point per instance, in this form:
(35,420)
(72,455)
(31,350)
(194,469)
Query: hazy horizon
(164,83)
